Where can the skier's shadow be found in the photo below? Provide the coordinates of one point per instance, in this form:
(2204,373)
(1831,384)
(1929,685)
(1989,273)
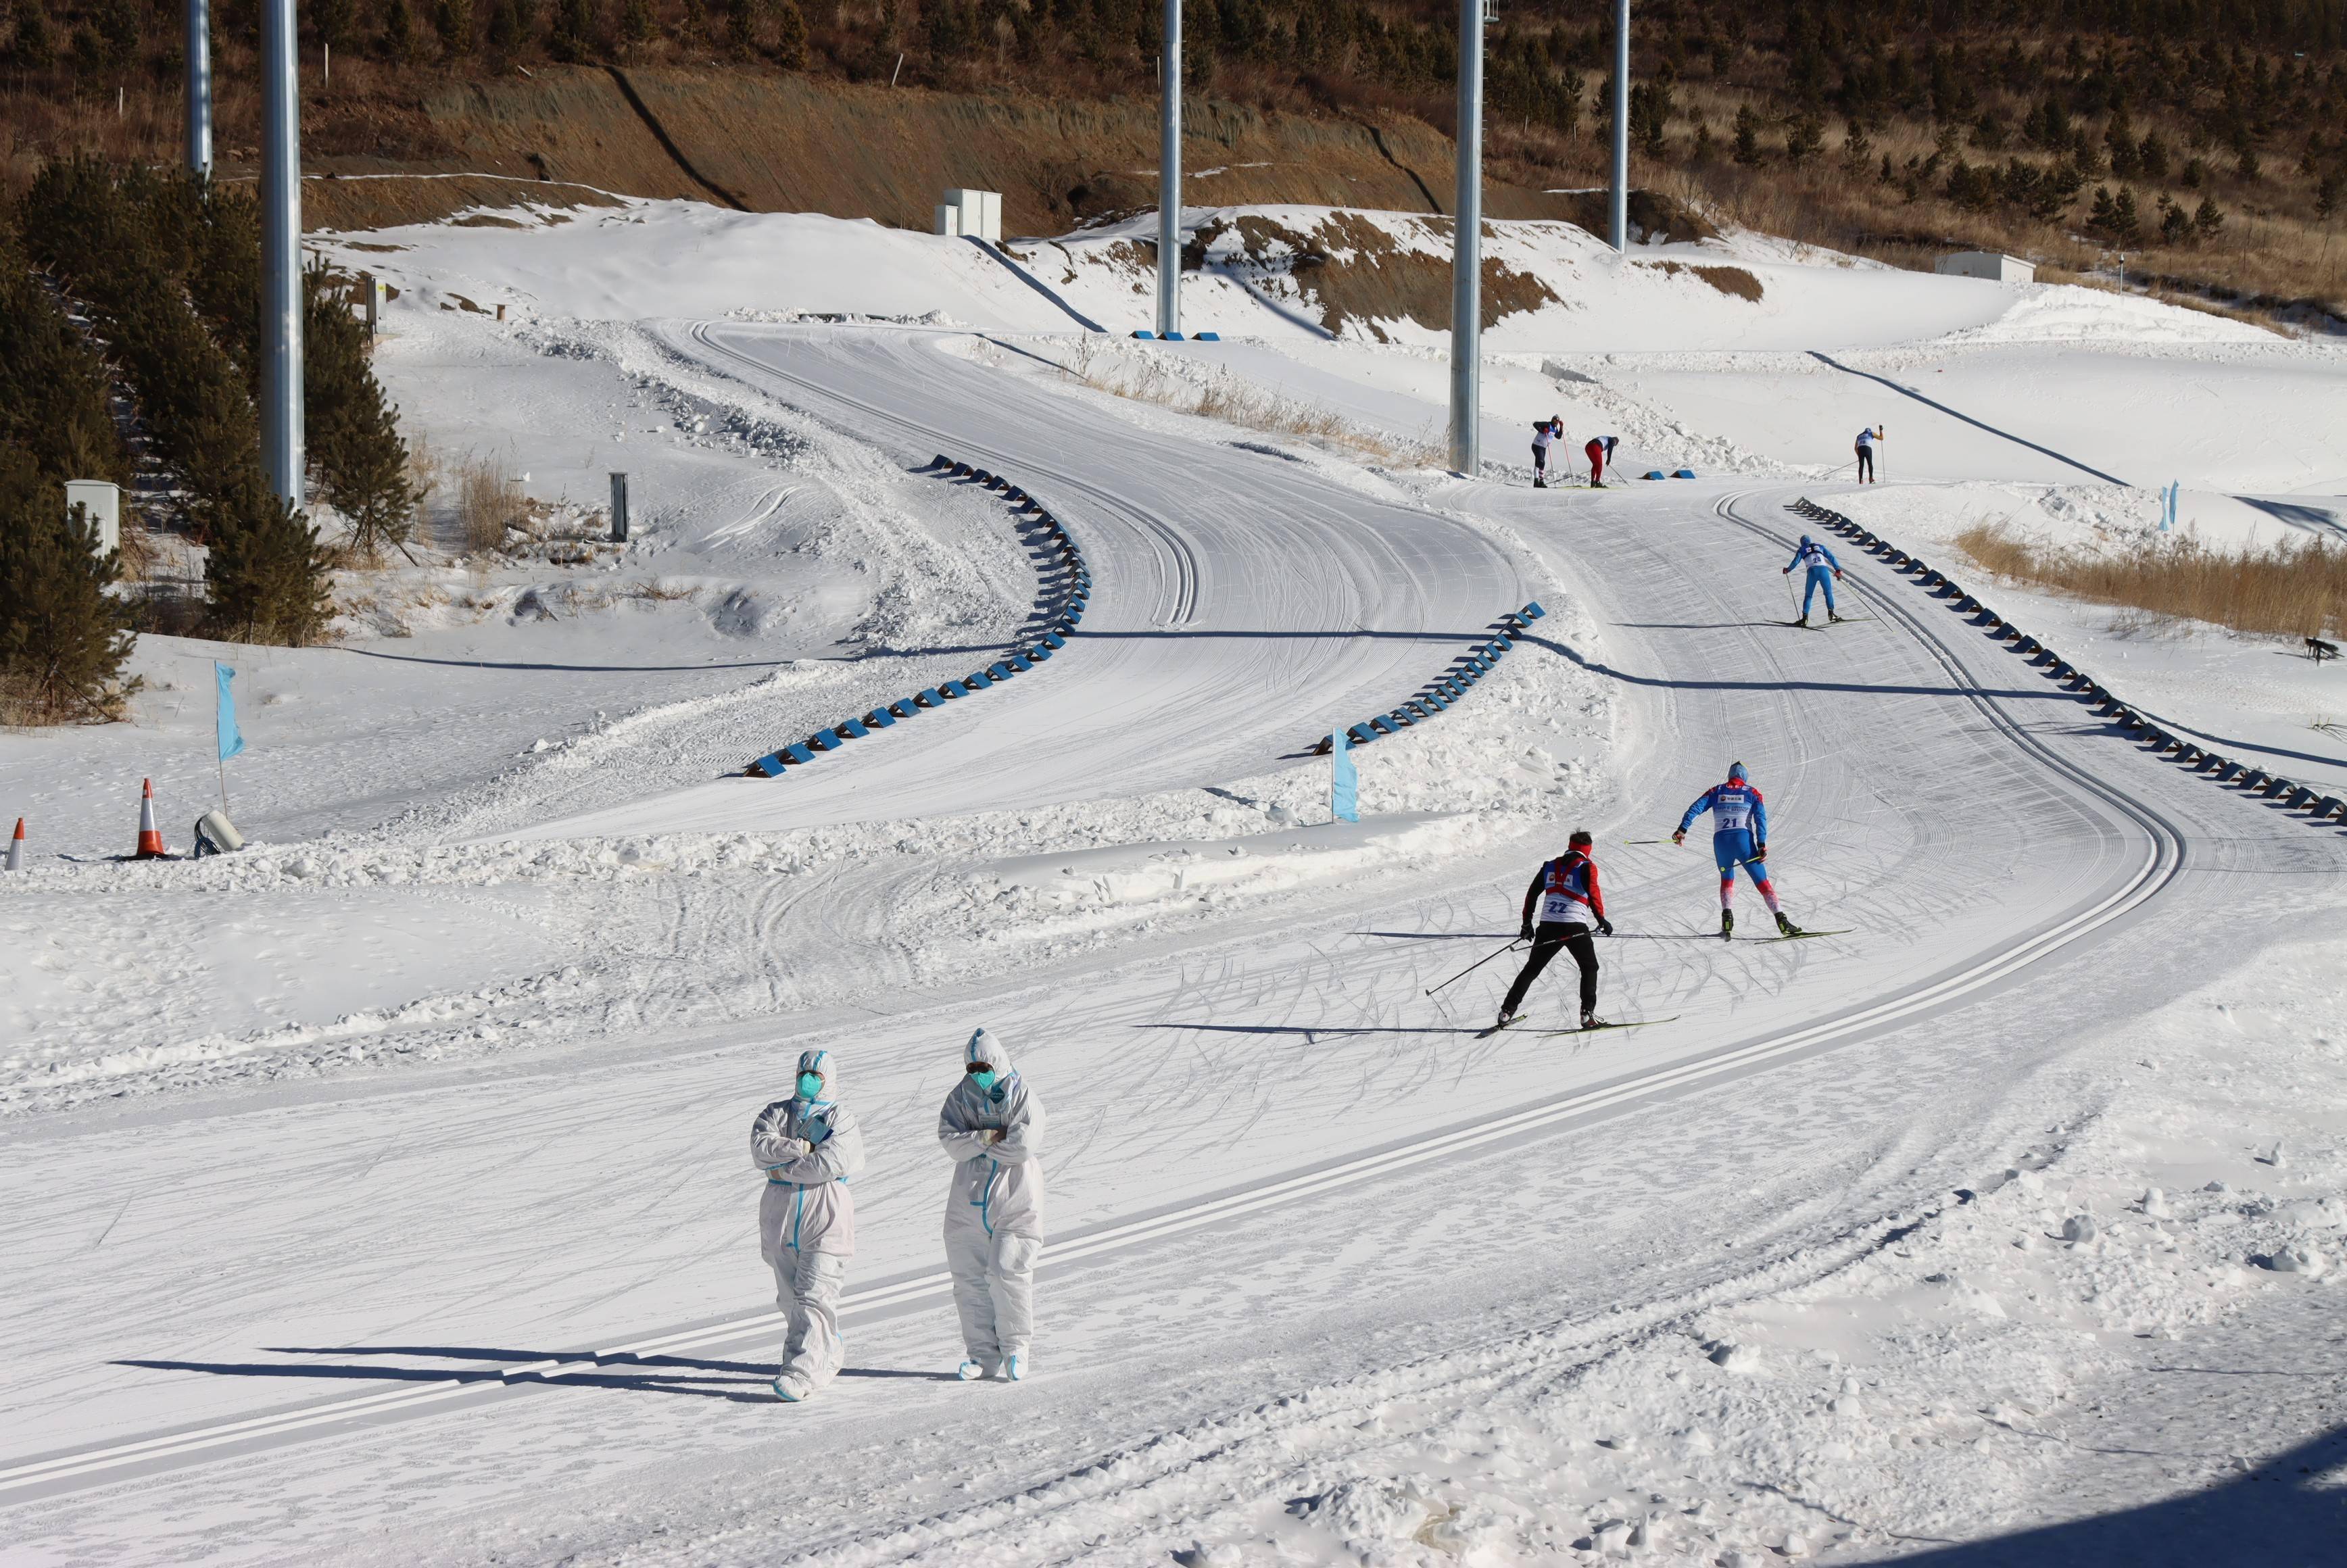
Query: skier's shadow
(740,1381)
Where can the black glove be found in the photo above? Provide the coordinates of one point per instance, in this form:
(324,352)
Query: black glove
(1604,927)
(1526,934)
(1760,854)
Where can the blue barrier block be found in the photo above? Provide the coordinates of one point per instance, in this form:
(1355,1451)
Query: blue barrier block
(1683,474)
(828,741)
(954,689)
(940,461)
(1436,700)
(1143,333)
(1415,709)
(1018,665)
(1533,611)
(1170,337)
(798,754)
(1651,474)
(981,475)
(903,707)
(930,697)
(1038,653)
(959,469)
(880,719)
(1210,337)
(769,766)
(1013,492)
(852,729)
(1000,671)
(1053,640)
(1382,725)
(978,681)
(1074,613)
(1360,735)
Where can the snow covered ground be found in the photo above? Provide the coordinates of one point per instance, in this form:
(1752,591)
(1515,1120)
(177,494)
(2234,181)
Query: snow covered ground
(378,1194)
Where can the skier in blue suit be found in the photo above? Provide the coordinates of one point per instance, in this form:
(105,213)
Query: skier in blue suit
(1819,561)
(1739,836)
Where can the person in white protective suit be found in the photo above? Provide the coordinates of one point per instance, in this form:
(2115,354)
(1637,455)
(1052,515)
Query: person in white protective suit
(992,1129)
(808,1146)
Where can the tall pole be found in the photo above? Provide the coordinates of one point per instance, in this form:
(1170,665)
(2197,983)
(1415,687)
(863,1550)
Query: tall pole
(1169,176)
(199,51)
(1619,219)
(1466,250)
(280,252)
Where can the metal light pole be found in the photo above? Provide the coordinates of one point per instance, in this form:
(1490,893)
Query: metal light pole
(1619,219)
(198,52)
(1466,250)
(280,252)
(1169,176)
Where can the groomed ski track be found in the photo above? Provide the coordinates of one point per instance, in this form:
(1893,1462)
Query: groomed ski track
(1989,841)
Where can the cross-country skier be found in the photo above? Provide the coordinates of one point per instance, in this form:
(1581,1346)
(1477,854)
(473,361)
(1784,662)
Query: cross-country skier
(1564,894)
(1819,560)
(1545,434)
(1739,836)
(1866,440)
(992,1128)
(808,1146)
(1600,451)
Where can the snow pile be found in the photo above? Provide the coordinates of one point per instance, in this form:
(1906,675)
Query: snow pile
(2067,312)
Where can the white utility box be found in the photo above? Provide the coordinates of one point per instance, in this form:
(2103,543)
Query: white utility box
(948,220)
(104,499)
(977,214)
(1993,265)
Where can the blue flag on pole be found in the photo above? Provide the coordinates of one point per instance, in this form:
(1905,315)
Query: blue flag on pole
(1345,781)
(231,741)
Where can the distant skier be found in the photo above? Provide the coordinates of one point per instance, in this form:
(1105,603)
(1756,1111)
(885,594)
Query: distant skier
(808,1146)
(1545,434)
(992,1128)
(1564,894)
(1866,440)
(1601,452)
(1739,836)
(1819,561)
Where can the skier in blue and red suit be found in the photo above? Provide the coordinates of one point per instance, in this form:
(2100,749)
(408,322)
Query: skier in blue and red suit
(1739,836)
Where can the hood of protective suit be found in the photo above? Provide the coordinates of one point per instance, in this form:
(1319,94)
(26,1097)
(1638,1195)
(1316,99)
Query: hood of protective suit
(991,1048)
(821,1061)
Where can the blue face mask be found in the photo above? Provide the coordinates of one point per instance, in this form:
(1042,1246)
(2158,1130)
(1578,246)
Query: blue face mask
(810,1085)
(985,1080)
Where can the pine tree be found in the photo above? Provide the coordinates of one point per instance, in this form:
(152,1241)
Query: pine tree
(265,575)
(1803,139)
(353,436)
(1748,137)
(573,38)
(62,640)
(2174,224)
(452,20)
(400,44)
(2206,219)
(35,47)
(790,46)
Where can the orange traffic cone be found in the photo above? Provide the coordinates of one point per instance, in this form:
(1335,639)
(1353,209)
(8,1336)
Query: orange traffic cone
(151,837)
(17,848)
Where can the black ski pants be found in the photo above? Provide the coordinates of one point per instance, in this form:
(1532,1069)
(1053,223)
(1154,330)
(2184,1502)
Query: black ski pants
(1866,464)
(1547,937)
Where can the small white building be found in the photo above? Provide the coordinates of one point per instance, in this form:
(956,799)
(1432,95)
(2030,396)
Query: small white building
(975,213)
(1993,265)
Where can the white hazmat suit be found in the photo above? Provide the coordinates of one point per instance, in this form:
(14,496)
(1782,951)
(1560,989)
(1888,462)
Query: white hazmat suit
(994,1209)
(806,1221)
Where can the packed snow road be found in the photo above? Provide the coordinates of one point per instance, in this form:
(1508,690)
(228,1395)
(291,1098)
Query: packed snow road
(1305,1211)
(1244,606)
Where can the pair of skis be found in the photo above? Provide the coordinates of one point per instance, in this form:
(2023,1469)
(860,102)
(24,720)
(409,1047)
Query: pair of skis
(1592,1028)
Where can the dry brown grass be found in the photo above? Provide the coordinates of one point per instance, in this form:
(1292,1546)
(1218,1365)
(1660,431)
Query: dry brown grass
(2297,589)
(488,501)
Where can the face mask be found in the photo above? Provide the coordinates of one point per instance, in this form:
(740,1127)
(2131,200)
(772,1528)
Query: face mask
(985,1080)
(810,1085)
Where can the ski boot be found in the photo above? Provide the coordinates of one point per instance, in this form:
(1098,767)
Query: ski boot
(1538,483)
(790,1388)
(1804,621)
(1504,1021)
(1833,618)
(1786,927)
(1590,1021)
(1014,1367)
(972,1371)
(1726,925)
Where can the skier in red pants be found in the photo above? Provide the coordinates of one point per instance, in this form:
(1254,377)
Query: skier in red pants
(1600,447)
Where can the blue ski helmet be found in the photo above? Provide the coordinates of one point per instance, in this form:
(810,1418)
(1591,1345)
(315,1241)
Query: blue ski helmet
(1805,538)
(1735,773)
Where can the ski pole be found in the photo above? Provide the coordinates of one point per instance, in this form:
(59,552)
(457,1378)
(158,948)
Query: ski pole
(1476,964)
(1793,594)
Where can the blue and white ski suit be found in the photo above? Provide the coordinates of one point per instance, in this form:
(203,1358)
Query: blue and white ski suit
(1821,570)
(1739,830)
(806,1218)
(994,1210)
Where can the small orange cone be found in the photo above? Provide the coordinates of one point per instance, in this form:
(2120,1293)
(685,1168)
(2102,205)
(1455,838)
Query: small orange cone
(17,848)
(151,837)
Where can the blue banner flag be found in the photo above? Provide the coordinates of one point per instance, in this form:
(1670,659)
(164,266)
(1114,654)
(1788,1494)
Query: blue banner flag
(231,741)
(1345,781)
